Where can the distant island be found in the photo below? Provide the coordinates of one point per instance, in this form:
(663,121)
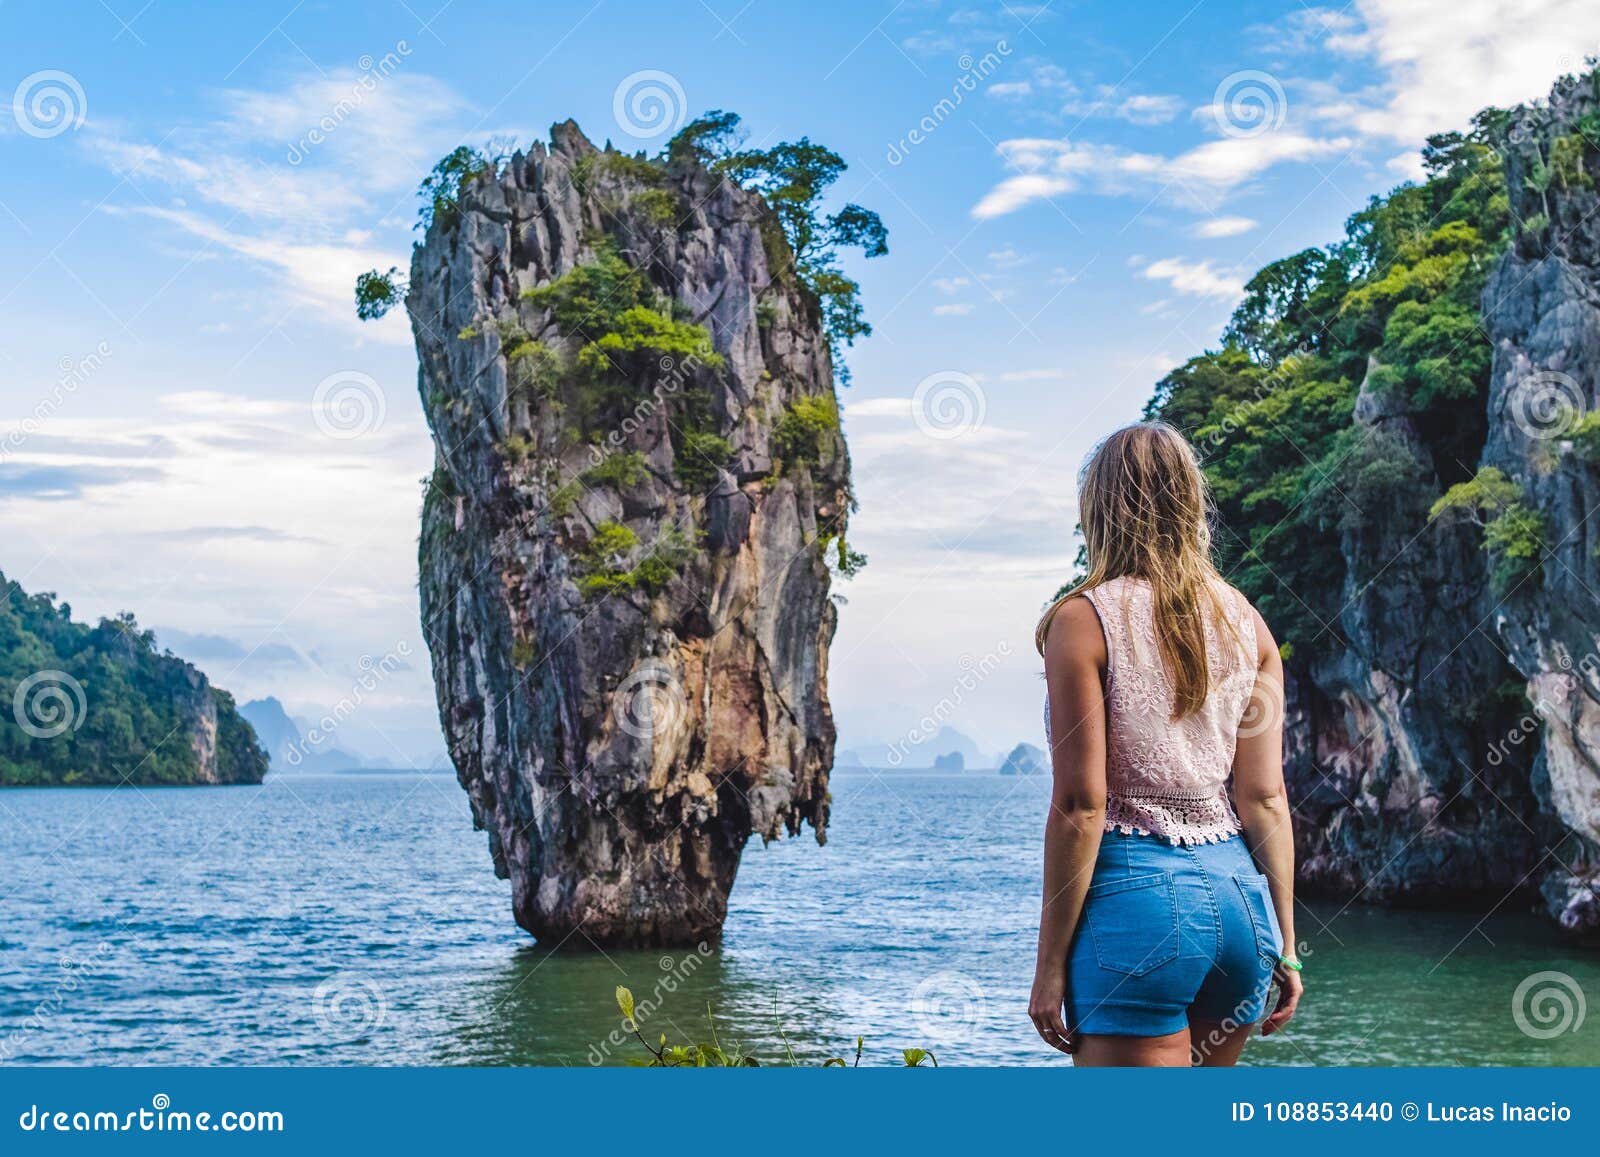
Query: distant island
(100,705)
(1025,759)
(294,746)
(948,750)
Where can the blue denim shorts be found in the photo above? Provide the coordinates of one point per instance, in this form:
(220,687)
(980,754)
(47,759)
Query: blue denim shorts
(1169,933)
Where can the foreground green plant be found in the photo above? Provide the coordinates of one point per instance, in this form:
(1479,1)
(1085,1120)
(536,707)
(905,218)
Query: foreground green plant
(713,1054)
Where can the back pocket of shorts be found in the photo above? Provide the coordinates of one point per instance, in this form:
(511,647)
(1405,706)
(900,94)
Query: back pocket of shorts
(1134,923)
(1257,893)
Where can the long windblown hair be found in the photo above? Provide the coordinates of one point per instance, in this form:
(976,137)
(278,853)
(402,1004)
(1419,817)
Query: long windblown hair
(1145,511)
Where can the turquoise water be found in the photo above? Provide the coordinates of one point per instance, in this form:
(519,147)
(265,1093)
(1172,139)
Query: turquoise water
(355,920)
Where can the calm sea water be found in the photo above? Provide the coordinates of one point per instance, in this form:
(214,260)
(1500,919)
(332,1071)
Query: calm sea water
(354,920)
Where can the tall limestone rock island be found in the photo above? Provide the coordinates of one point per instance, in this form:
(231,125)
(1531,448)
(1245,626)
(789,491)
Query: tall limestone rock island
(640,487)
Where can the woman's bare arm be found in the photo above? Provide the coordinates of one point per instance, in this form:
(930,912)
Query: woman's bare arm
(1264,808)
(1074,664)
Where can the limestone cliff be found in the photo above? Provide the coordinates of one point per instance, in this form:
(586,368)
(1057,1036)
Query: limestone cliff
(1421,772)
(1542,312)
(1401,434)
(639,474)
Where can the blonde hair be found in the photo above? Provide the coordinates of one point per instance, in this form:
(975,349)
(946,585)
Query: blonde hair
(1145,510)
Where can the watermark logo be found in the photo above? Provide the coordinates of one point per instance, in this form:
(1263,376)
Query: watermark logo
(372,72)
(1548,1004)
(649,104)
(372,673)
(948,1006)
(948,404)
(48,103)
(650,698)
(348,404)
(974,73)
(1266,708)
(1547,404)
(348,1005)
(49,703)
(1249,104)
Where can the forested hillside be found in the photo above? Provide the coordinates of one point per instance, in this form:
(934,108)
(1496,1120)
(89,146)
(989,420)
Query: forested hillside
(100,705)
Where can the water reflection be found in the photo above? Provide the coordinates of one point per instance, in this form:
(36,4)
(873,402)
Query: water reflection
(540,1008)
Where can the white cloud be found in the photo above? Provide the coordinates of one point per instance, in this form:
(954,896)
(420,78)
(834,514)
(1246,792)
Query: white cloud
(1201,176)
(1306,29)
(1010,89)
(877,407)
(1013,193)
(293,179)
(1196,278)
(1149,109)
(1446,59)
(1408,165)
(1224,227)
(954,309)
(950,284)
(320,276)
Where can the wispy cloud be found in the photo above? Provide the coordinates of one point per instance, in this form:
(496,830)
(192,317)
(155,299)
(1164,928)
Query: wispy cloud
(1196,278)
(1223,227)
(296,180)
(1202,176)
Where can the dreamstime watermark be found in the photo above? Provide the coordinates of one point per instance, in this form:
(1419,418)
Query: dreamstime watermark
(973,672)
(372,674)
(1527,726)
(649,699)
(49,703)
(348,1005)
(1249,103)
(675,973)
(1265,708)
(348,404)
(1265,387)
(48,103)
(948,404)
(1245,1014)
(71,374)
(948,1006)
(1547,404)
(74,973)
(160,1117)
(371,74)
(649,104)
(678,372)
(1547,1005)
(973,73)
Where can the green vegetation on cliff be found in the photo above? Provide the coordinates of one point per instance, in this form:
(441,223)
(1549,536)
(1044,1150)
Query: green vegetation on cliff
(1395,302)
(100,705)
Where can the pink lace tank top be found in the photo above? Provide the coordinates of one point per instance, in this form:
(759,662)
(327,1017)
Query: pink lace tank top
(1168,777)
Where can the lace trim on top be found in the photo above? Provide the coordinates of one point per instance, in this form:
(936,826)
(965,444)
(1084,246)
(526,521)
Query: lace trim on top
(1175,818)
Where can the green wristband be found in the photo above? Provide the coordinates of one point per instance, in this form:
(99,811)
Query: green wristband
(1292,965)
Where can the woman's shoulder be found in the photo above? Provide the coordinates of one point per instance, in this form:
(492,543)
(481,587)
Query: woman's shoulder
(1075,630)
(1245,614)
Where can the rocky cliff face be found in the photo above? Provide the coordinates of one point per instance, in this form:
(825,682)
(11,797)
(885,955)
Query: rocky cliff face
(1420,771)
(1406,791)
(623,576)
(1542,312)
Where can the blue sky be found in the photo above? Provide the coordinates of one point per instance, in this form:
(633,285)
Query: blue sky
(1074,192)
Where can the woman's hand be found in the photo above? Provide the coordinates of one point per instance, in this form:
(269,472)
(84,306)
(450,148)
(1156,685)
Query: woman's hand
(1044,1008)
(1290,988)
